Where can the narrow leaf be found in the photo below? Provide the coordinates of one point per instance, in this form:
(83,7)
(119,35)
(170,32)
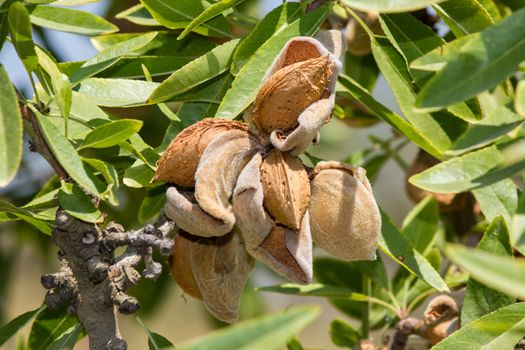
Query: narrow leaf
(110,55)
(480,300)
(249,78)
(472,170)
(464,17)
(111,134)
(275,21)
(502,329)
(117,92)
(500,198)
(389,5)
(400,124)
(13,326)
(152,203)
(48,327)
(398,247)
(343,334)
(212,11)
(196,72)
(67,340)
(442,129)
(65,154)
(519,102)
(155,341)
(487,59)
(10,130)
(269,332)
(22,36)
(421,224)
(139,15)
(59,82)
(175,14)
(498,272)
(78,204)
(69,20)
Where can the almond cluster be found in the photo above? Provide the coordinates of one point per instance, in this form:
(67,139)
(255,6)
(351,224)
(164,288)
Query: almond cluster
(239,191)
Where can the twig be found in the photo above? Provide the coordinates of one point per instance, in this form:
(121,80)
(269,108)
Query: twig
(93,282)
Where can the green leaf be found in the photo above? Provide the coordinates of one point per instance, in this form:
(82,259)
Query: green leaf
(519,102)
(389,5)
(13,326)
(518,226)
(111,134)
(72,21)
(176,14)
(10,130)
(498,272)
(109,173)
(67,340)
(155,341)
(436,59)
(473,170)
(117,92)
(487,59)
(464,17)
(275,21)
(440,129)
(26,215)
(269,332)
(480,300)
(4,21)
(59,83)
(65,154)
(400,124)
(421,224)
(48,327)
(500,198)
(412,38)
(78,204)
(212,11)
(502,329)
(152,203)
(249,78)
(480,133)
(138,175)
(137,14)
(21,35)
(343,334)
(110,55)
(363,69)
(196,72)
(398,247)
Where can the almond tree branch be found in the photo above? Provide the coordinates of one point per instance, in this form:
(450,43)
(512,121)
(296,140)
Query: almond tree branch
(92,281)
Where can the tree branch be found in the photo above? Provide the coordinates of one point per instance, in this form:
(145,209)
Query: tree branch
(93,282)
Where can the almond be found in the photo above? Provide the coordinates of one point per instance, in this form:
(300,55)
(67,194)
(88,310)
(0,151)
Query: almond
(285,186)
(180,264)
(179,162)
(287,92)
(344,217)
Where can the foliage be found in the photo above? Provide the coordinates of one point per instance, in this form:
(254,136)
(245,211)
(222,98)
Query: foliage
(460,86)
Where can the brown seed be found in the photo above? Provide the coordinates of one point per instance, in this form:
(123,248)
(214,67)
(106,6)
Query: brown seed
(287,93)
(358,39)
(285,186)
(344,216)
(180,264)
(179,162)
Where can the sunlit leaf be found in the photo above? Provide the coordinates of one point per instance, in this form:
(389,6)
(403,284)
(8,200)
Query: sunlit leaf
(485,60)
(70,20)
(196,72)
(10,130)
(212,11)
(269,332)
(480,300)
